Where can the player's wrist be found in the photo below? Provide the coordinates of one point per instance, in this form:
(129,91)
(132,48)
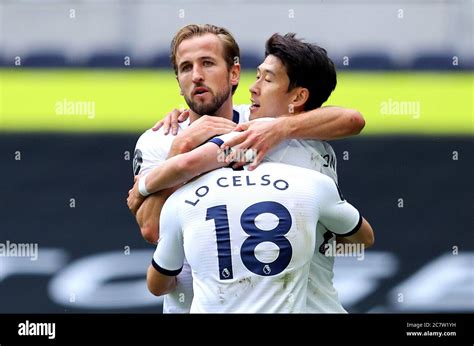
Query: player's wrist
(142,190)
(283,128)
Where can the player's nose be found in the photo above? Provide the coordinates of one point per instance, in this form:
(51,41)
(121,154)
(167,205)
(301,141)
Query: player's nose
(197,74)
(253,89)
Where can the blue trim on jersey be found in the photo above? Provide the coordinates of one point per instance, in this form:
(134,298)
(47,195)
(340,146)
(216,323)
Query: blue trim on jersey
(165,271)
(354,230)
(236,117)
(217,141)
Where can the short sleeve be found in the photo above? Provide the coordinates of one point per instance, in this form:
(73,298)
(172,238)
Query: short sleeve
(336,214)
(151,151)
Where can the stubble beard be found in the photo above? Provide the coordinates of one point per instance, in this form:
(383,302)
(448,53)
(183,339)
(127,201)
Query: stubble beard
(212,107)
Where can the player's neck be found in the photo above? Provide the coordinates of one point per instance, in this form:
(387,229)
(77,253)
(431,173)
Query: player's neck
(225,111)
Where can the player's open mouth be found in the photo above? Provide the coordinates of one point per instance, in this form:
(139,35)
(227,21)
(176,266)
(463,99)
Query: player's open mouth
(254,106)
(200,91)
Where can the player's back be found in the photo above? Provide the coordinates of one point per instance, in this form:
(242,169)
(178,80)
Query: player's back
(249,237)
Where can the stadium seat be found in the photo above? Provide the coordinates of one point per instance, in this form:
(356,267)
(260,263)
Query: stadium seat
(438,61)
(250,61)
(110,60)
(247,61)
(44,59)
(161,60)
(366,61)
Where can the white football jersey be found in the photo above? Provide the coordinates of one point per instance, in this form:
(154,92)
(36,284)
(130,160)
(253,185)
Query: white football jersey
(319,156)
(249,236)
(151,151)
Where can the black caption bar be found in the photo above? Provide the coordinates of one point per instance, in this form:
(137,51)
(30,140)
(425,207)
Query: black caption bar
(107,329)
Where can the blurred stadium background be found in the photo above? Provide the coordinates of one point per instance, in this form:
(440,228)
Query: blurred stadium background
(407,66)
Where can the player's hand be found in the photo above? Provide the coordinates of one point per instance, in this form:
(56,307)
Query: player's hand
(134,199)
(199,131)
(171,121)
(260,136)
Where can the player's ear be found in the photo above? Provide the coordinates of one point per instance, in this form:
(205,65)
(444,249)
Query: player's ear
(300,97)
(235,74)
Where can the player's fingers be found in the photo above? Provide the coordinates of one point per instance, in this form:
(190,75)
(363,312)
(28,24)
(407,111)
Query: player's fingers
(219,130)
(183,116)
(244,145)
(257,160)
(242,127)
(234,141)
(157,126)
(174,121)
(227,128)
(167,123)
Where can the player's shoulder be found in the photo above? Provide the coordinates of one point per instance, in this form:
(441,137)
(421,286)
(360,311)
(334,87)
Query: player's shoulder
(296,172)
(148,137)
(311,145)
(151,138)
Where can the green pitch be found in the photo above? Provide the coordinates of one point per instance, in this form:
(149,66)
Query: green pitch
(131,101)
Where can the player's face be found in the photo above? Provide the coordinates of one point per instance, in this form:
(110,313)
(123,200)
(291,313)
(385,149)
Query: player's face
(203,75)
(269,94)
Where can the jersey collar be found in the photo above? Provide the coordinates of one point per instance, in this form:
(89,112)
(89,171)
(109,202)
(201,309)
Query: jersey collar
(236,116)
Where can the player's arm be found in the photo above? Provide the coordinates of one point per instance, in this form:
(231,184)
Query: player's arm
(172,173)
(148,215)
(199,132)
(149,155)
(183,167)
(341,218)
(159,284)
(168,258)
(162,181)
(147,210)
(178,170)
(324,123)
(365,235)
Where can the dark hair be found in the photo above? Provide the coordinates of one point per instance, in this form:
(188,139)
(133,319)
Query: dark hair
(307,66)
(231,48)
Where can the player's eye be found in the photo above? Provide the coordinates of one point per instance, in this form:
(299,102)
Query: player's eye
(185,68)
(207,63)
(258,77)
